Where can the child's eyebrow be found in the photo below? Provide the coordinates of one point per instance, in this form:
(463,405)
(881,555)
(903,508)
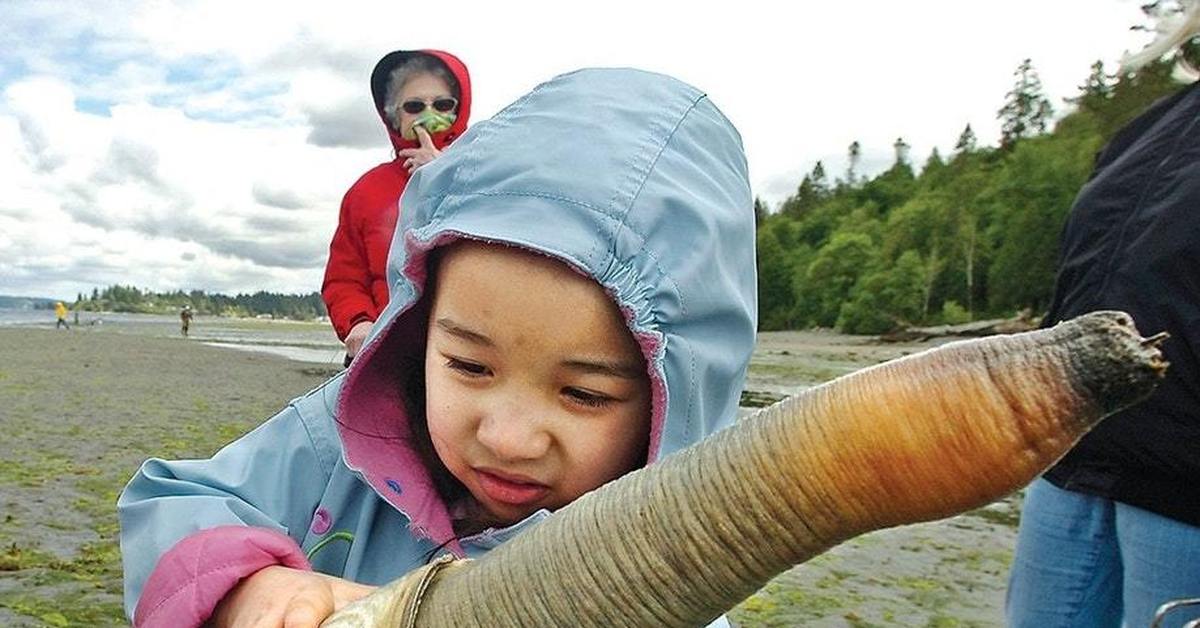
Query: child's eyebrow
(592,365)
(454,329)
(604,367)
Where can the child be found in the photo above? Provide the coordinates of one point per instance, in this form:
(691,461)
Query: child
(573,296)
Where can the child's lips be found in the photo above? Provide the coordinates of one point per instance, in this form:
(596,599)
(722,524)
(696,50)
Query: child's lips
(511,489)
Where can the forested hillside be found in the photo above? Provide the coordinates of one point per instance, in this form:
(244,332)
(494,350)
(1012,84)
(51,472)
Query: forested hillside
(973,235)
(131,299)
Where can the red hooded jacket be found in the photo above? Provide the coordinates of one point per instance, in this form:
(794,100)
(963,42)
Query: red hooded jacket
(355,287)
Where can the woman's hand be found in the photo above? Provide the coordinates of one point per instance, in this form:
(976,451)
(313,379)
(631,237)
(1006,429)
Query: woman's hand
(282,597)
(357,336)
(417,157)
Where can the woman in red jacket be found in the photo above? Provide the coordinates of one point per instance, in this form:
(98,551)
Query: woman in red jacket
(427,87)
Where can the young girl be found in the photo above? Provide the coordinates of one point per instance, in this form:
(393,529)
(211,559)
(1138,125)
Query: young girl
(572,297)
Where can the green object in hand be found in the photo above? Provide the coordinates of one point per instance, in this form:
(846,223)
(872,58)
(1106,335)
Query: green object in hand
(433,121)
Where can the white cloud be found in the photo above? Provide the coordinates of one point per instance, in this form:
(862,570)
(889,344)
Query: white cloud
(43,109)
(97,200)
(207,145)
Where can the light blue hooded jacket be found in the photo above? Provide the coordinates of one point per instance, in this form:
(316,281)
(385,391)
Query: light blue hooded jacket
(632,178)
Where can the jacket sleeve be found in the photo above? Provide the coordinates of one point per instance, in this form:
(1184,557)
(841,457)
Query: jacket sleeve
(347,285)
(192,529)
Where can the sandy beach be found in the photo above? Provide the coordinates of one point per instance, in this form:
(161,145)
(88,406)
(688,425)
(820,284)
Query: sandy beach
(81,410)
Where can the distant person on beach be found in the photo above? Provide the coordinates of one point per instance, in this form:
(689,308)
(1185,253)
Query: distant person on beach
(60,313)
(185,320)
(546,334)
(424,100)
(1113,530)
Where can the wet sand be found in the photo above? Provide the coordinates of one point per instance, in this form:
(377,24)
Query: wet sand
(80,411)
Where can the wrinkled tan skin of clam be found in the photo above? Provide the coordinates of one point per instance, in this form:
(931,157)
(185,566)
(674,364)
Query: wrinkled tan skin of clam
(682,541)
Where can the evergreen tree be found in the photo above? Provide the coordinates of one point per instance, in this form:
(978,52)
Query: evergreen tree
(886,298)
(1095,91)
(834,271)
(760,211)
(130,299)
(890,189)
(1032,196)
(854,156)
(933,172)
(813,190)
(966,141)
(902,149)
(780,253)
(819,181)
(1132,93)
(803,199)
(1026,109)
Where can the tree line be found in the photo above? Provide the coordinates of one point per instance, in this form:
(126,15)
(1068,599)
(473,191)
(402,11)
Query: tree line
(973,235)
(118,298)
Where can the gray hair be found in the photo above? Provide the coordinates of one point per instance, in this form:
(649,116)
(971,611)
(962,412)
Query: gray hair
(401,74)
(1176,23)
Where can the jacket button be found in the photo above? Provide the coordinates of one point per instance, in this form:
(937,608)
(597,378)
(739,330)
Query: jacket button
(321,521)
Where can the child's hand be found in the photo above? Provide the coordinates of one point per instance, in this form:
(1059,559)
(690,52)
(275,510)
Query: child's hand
(281,597)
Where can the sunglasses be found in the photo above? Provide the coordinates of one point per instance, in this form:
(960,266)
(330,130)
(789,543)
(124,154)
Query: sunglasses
(441,105)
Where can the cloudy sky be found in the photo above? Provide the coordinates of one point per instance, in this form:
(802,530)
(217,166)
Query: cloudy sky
(206,145)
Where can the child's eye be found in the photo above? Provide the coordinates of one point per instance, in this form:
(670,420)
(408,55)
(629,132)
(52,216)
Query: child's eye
(583,397)
(470,369)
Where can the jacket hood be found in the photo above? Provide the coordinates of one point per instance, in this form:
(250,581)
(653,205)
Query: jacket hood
(379,81)
(633,179)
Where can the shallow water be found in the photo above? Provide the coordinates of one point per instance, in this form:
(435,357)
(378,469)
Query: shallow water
(295,340)
(332,355)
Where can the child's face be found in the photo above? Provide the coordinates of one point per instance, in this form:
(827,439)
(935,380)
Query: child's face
(535,389)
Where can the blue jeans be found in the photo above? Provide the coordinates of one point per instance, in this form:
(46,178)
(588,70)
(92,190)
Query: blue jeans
(1092,562)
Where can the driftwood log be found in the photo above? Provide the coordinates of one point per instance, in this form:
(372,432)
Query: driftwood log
(1022,322)
(678,543)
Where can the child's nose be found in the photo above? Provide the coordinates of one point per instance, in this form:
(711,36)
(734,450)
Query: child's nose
(515,433)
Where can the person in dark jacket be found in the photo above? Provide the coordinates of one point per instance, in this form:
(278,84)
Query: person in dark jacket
(424,101)
(1112,531)
(185,320)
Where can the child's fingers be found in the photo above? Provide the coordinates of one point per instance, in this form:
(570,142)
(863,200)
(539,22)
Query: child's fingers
(309,608)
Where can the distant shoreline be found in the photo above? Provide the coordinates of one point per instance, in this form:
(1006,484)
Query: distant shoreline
(300,341)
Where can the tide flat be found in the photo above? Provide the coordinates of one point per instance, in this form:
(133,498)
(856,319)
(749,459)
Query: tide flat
(80,410)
